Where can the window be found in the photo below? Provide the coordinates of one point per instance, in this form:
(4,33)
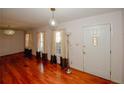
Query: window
(58,43)
(27,36)
(40,42)
(41,48)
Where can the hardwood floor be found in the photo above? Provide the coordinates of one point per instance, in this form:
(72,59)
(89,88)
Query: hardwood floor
(16,69)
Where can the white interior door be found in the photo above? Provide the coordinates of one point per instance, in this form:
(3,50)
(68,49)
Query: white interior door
(96,50)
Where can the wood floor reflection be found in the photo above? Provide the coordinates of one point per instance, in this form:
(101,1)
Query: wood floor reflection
(16,69)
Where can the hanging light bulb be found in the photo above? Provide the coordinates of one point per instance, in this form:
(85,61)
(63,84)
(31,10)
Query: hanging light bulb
(53,23)
(52,20)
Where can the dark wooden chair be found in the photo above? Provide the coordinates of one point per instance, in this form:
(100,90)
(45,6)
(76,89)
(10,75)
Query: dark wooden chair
(38,55)
(28,53)
(44,57)
(63,62)
(53,59)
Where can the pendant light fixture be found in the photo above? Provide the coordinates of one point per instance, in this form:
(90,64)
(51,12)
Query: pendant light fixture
(9,31)
(52,20)
(6,30)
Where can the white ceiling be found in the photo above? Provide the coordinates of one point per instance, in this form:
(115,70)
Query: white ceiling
(26,18)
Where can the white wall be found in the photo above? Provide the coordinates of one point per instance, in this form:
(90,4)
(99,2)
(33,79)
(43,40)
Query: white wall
(11,44)
(117,41)
(123,39)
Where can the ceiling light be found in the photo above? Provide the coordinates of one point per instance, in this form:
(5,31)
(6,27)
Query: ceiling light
(52,20)
(9,32)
